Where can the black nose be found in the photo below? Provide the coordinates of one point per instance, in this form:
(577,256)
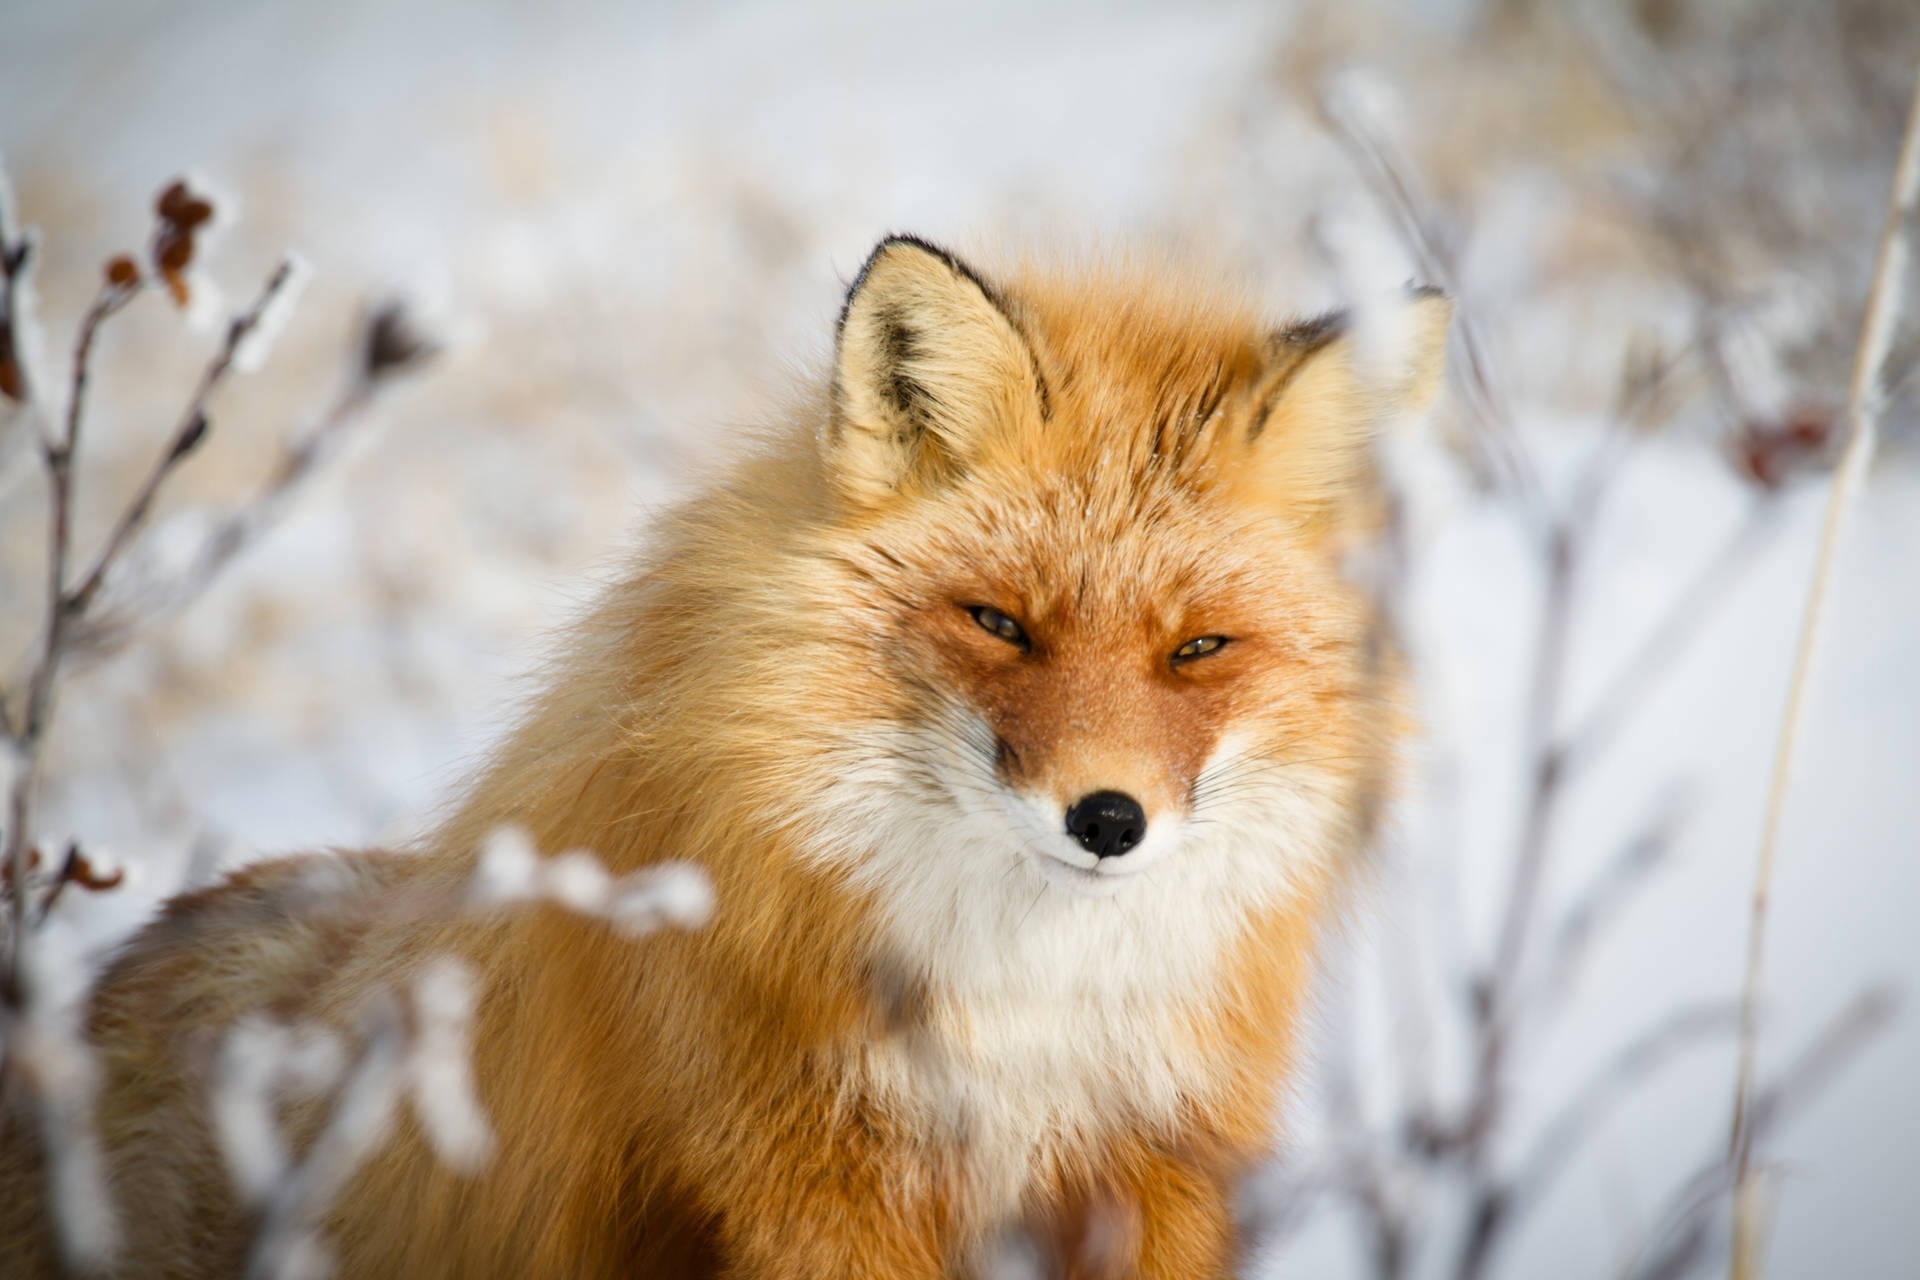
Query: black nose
(1106,823)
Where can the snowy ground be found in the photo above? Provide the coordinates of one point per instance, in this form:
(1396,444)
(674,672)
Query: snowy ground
(634,223)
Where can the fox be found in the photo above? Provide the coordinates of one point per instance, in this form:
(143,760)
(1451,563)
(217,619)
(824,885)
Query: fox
(1012,694)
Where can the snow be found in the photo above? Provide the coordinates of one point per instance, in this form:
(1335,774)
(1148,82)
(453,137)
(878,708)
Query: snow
(637,221)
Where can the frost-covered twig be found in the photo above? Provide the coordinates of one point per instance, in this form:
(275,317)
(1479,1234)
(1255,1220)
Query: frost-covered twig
(1390,180)
(1602,900)
(1692,607)
(414,1049)
(24,737)
(1627,1070)
(73,624)
(1864,402)
(46,1055)
(187,435)
(288,1246)
(1519,982)
(1688,1223)
(49,1061)
(511,873)
(389,345)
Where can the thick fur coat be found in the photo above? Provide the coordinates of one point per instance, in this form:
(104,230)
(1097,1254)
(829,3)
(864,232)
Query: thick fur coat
(1061,535)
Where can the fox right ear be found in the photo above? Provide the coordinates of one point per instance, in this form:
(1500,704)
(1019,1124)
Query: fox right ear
(1327,392)
(927,364)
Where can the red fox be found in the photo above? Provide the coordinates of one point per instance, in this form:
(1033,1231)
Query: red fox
(1012,698)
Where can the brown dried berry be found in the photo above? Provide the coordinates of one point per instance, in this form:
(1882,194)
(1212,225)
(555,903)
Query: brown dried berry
(174,252)
(1771,453)
(171,200)
(1810,427)
(122,272)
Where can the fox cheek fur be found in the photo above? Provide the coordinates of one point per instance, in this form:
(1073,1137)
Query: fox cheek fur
(1013,701)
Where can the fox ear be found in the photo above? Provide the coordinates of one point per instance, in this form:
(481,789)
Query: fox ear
(1329,386)
(927,364)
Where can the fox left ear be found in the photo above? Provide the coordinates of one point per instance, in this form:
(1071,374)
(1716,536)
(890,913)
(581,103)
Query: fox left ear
(1330,384)
(927,365)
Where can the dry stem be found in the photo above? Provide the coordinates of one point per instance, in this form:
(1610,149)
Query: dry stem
(1864,402)
(186,436)
(25,737)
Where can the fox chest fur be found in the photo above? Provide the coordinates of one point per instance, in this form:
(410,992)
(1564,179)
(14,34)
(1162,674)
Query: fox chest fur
(1010,695)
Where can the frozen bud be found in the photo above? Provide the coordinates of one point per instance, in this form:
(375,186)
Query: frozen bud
(393,343)
(243,1107)
(577,881)
(672,893)
(190,437)
(508,868)
(443,1089)
(254,342)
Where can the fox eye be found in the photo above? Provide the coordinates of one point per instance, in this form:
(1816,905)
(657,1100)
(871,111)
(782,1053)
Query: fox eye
(1198,647)
(1000,624)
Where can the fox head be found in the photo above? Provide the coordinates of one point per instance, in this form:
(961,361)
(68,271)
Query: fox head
(1098,667)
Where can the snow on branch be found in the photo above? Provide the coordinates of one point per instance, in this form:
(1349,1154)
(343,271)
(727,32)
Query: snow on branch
(414,1050)
(40,982)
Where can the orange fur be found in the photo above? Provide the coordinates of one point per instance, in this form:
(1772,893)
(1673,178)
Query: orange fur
(912,1024)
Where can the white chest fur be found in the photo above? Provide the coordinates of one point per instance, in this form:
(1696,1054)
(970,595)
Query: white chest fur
(1053,1016)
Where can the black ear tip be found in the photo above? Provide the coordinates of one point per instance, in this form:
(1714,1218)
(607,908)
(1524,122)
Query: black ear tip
(900,240)
(1311,334)
(892,239)
(905,240)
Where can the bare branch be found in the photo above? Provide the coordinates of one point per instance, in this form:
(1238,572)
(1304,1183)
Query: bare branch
(1864,402)
(1644,379)
(388,347)
(358,1120)
(1629,1068)
(1600,903)
(25,737)
(1494,991)
(1390,181)
(192,429)
(1688,1222)
(1692,607)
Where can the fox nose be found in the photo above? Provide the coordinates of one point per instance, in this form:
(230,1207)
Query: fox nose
(1106,823)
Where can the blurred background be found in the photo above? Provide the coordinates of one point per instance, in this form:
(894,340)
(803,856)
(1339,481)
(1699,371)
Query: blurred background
(629,227)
